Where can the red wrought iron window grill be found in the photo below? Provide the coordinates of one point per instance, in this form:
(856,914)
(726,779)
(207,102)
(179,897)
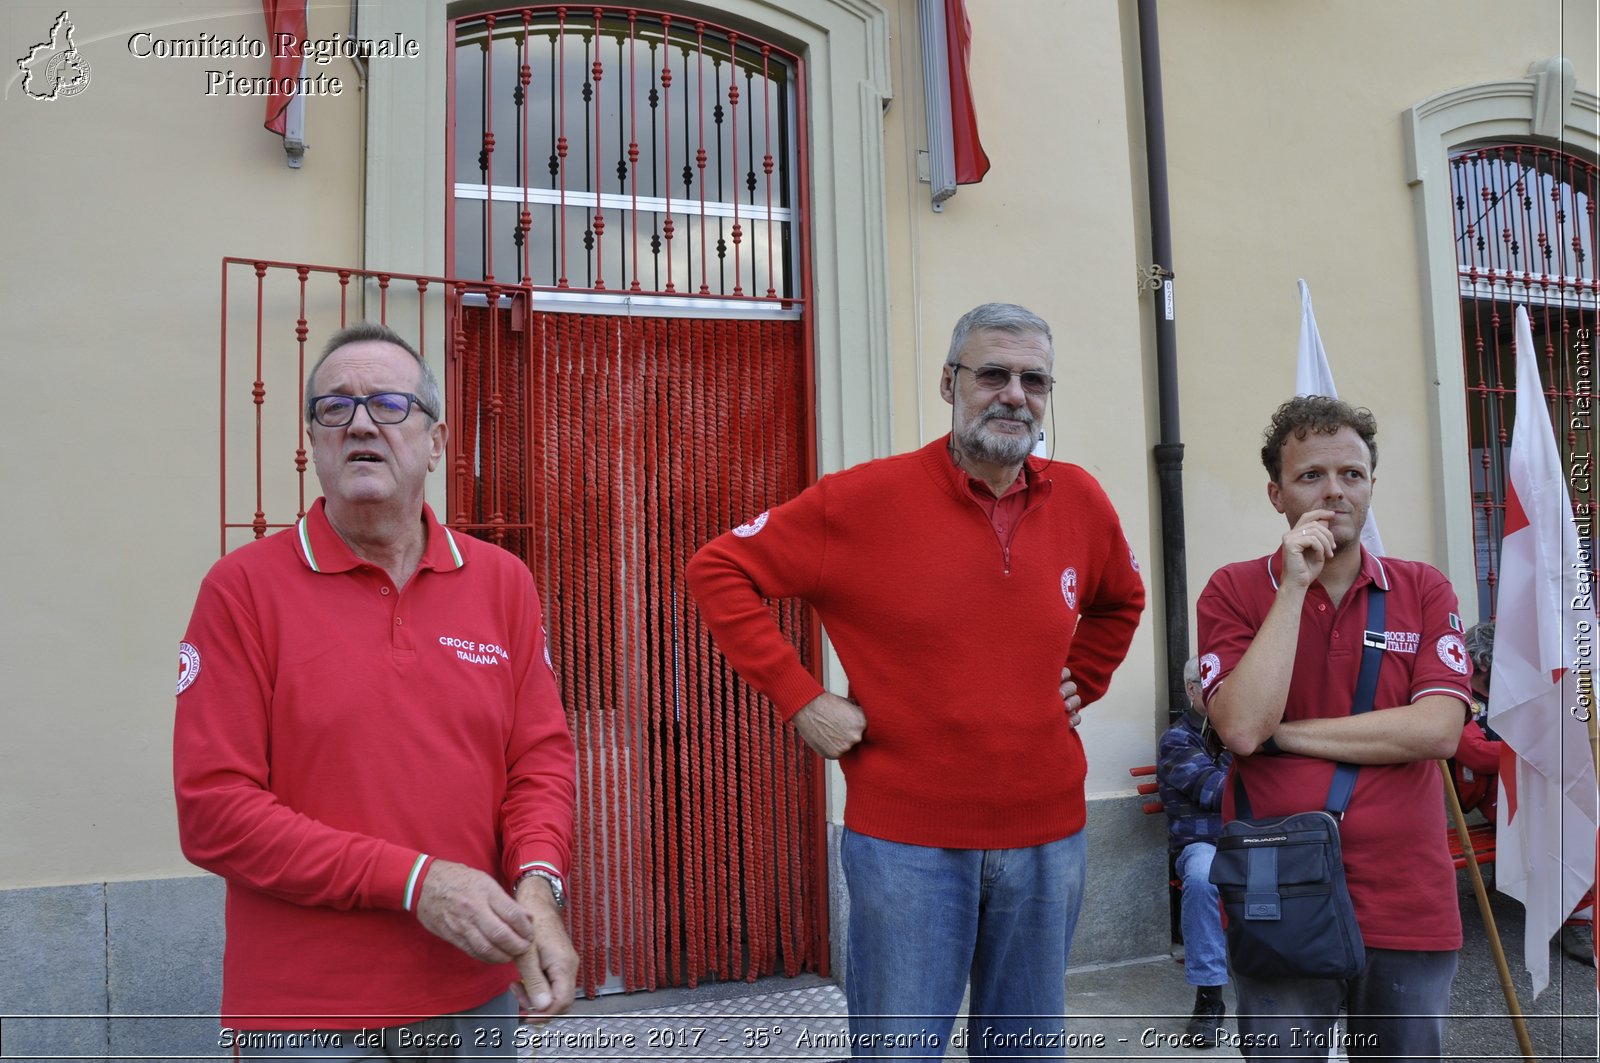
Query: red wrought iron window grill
(1525,234)
(625,159)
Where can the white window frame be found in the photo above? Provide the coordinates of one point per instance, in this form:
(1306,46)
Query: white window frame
(1545,105)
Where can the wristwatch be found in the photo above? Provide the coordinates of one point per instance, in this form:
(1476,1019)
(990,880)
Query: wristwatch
(557,890)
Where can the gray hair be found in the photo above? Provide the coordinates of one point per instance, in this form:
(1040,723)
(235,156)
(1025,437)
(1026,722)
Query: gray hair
(370,332)
(1191,672)
(1480,646)
(1001,317)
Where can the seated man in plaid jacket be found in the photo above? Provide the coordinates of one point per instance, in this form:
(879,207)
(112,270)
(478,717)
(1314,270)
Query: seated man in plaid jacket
(1191,768)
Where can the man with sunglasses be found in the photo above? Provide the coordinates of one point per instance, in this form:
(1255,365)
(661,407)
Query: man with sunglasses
(977,598)
(371,749)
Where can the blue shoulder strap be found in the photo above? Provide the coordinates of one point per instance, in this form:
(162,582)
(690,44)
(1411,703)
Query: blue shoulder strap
(1373,641)
(1372,644)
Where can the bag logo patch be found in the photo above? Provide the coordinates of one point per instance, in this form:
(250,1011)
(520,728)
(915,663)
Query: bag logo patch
(749,528)
(188,666)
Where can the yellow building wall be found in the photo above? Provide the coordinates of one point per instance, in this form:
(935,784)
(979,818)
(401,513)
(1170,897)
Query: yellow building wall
(1053,226)
(1287,160)
(116,208)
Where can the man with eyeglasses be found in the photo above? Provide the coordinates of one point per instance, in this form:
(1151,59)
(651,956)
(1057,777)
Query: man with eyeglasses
(371,749)
(978,598)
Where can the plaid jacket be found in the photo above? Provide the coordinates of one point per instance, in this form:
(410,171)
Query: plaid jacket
(1190,770)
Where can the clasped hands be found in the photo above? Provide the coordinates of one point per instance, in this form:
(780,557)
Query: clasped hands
(474,913)
(833,726)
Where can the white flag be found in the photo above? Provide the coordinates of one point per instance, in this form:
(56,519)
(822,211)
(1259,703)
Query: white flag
(1312,377)
(1539,697)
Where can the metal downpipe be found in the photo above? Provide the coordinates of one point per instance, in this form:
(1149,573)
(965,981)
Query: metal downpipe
(1169,450)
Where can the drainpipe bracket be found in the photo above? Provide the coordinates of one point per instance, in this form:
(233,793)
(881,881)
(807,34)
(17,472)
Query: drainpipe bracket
(1153,276)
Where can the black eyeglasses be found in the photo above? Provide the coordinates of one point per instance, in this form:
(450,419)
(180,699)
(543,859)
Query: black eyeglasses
(994,377)
(384,407)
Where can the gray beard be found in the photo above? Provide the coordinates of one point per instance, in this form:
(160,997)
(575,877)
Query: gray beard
(997,450)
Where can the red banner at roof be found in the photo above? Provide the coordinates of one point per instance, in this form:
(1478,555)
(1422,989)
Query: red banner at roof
(287,17)
(971,162)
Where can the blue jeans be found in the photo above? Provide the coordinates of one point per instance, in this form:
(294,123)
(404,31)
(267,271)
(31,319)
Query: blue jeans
(1397,1007)
(923,921)
(1205,951)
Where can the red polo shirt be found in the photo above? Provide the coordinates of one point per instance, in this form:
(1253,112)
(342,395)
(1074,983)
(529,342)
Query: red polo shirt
(1004,509)
(1398,866)
(335,734)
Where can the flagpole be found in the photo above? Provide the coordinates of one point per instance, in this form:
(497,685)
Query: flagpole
(1460,820)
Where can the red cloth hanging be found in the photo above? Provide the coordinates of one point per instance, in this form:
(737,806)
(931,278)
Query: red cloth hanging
(286,17)
(971,162)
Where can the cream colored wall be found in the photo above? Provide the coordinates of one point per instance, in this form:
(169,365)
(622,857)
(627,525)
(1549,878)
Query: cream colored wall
(116,208)
(1287,160)
(1053,226)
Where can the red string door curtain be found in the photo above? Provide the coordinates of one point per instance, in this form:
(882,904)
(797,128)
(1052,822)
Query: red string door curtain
(606,450)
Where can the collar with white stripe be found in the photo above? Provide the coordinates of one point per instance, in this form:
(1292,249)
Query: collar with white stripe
(1371,568)
(324,551)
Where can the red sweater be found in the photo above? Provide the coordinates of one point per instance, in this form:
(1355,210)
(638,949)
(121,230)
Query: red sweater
(953,643)
(333,736)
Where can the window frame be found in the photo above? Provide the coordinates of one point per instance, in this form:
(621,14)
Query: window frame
(1544,106)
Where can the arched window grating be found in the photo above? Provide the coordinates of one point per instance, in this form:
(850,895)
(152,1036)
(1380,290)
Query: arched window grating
(1525,232)
(608,152)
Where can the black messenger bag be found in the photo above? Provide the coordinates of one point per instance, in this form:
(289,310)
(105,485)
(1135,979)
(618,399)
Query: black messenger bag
(1282,880)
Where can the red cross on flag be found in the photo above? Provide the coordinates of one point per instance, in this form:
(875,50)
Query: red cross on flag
(1540,698)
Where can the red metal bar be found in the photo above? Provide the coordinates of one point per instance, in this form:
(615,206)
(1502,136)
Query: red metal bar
(258,393)
(666,125)
(700,150)
(300,332)
(598,71)
(633,139)
(766,159)
(561,138)
(422,322)
(455,402)
(488,148)
(344,297)
(493,463)
(525,79)
(733,121)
